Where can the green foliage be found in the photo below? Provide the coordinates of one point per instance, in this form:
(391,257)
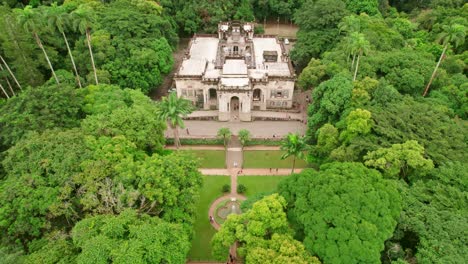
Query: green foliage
(330,99)
(262,233)
(428,124)
(370,7)
(317,21)
(327,141)
(400,160)
(38,109)
(56,248)
(224,133)
(241,188)
(226,188)
(244,136)
(196,141)
(19,49)
(38,188)
(123,112)
(312,75)
(344,207)
(358,123)
(434,216)
(129,238)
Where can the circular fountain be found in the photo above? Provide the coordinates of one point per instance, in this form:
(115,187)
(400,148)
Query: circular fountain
(231,206)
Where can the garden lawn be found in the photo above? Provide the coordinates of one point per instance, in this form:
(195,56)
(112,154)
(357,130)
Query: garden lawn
(269,159)
(259,184)
(210,158)
(201,247)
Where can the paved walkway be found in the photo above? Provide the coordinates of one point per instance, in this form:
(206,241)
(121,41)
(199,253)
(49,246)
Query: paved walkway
(258,129)
(256,115)
(251,172)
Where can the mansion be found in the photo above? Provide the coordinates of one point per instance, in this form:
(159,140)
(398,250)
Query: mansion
(236,72)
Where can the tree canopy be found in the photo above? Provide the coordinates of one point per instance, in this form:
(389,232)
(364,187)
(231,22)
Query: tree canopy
(344,212)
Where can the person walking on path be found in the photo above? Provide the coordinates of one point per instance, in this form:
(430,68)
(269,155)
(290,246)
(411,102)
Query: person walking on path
(187,132)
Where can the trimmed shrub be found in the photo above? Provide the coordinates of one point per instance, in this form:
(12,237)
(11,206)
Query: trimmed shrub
(226,188)
(241,188)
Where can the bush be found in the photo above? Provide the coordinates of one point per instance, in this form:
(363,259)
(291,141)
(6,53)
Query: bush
(226,188)
(196,141)
(266,142)
(241,188)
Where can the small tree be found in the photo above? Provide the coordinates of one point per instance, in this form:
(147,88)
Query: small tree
(294,145)
(225,134)
(171,109)
(244,138)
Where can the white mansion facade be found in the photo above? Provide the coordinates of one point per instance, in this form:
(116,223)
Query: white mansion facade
(236,72)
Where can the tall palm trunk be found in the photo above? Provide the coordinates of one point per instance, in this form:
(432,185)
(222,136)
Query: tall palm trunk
(176,137)
(435,70)
(225,152)
(72,60)
(357,65)
(294,164)
(8,82)
(39,43)
(352,63)
(88,39)
(3,90)
(11,73)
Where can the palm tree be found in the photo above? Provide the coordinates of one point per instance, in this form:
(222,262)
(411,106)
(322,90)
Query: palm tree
(294,145)
(83,21)
(359,46)
(225,134)
(350,24)
(455,34)
(58,19)
(244,137)
(171,109)
(27,17)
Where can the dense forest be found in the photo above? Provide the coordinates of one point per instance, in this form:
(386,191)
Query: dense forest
(84,177)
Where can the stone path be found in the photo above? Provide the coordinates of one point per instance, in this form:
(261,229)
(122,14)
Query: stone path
(234,156)
(256,115)
(251,172)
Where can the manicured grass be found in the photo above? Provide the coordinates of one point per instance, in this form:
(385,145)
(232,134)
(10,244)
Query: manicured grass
(201,247)
(259,184)
(210,158)
(269,159)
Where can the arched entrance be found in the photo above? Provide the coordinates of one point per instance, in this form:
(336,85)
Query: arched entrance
(234,108)
(257,95)
(213,98)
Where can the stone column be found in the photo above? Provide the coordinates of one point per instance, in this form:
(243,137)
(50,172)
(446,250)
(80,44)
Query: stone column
(245,113)
(224,113)
(206,93)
